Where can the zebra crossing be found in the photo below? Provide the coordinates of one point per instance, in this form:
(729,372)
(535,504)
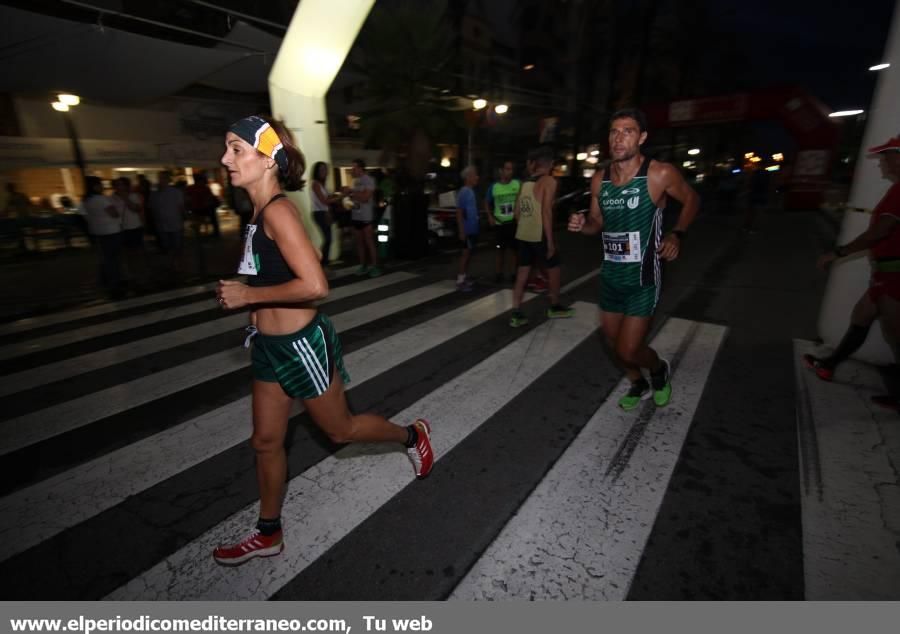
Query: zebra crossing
(851,499)
(124,429)
(562,544)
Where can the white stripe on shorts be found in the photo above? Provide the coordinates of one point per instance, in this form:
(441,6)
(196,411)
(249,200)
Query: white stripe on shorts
(309,371)
(316,364)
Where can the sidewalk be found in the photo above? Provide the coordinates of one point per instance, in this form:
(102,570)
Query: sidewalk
(849,458)
(56,278)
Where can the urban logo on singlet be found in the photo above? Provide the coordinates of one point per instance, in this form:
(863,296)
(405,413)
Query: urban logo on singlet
(632,231)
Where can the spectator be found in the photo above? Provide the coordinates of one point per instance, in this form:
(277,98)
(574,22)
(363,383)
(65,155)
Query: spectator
(105,225)
(168,206)
(201,202)
(131,207)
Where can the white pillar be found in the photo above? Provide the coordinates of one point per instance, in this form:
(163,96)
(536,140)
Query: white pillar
(849,278)
(314,48)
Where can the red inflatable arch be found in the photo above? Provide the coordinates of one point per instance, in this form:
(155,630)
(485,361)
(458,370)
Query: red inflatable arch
(804,117)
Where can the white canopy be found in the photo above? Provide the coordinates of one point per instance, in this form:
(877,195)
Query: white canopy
(40,53)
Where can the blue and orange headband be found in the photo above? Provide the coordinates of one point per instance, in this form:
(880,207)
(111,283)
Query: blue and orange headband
(258,133)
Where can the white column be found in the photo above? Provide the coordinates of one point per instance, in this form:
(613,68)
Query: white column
(314,48)
(849,278)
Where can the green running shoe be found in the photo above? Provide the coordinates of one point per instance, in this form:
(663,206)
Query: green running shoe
(560,312)
(638,391)
(374,271)
(518,319)
(362,270)
(662,387)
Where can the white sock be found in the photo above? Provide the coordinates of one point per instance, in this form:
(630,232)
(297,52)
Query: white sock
(460,278)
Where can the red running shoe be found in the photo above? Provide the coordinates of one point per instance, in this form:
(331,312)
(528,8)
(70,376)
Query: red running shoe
(253,545)
(817,365)
(422,455)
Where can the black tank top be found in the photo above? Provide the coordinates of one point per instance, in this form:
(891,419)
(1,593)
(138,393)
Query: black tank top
(263,263)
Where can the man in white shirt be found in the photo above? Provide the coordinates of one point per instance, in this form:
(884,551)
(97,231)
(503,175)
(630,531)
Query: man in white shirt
(363,215)
(105,225)
(131,208)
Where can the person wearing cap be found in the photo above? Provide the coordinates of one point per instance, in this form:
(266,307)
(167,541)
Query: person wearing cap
(296,349)
(882,299)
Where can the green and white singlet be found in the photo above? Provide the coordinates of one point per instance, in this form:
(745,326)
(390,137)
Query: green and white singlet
(631,276)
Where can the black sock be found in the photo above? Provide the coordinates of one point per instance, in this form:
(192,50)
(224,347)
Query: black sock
(268,527)
(660,377)
(412,436)
(853,339)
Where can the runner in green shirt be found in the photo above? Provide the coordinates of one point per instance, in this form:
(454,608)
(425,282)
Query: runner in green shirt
(627,200)
(499,204)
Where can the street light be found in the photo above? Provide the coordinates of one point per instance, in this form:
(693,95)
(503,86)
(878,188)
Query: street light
(879,66)
(694,151)
(581,156)
(501,108)
(478,104)
(846,113)
(65,103)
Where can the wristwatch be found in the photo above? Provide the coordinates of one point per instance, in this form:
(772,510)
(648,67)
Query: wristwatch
(678,233)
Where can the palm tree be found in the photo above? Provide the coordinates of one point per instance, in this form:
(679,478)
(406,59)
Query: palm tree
(406,55)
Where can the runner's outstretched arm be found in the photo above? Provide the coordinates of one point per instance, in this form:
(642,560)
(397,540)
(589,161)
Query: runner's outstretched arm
(879,231)
(591,223)
(548,195)
(673,184)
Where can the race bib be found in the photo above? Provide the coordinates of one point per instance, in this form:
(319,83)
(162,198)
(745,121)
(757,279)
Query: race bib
(505,210)
(622,246)
(248,263)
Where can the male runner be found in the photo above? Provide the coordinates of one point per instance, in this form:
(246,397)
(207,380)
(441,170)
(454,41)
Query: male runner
(534,235)
(499,204)
(627,201)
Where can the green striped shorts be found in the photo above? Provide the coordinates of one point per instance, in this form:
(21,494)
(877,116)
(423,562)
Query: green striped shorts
(628,300)
(303,362)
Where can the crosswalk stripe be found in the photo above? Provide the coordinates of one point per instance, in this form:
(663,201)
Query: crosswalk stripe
(324,503)
(582,531)
(39,425)
(55,504)
(81,364)
(30,323)
(849,541)
(93,331)
(579,281)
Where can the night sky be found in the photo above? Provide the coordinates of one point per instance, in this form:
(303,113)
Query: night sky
(826,47)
